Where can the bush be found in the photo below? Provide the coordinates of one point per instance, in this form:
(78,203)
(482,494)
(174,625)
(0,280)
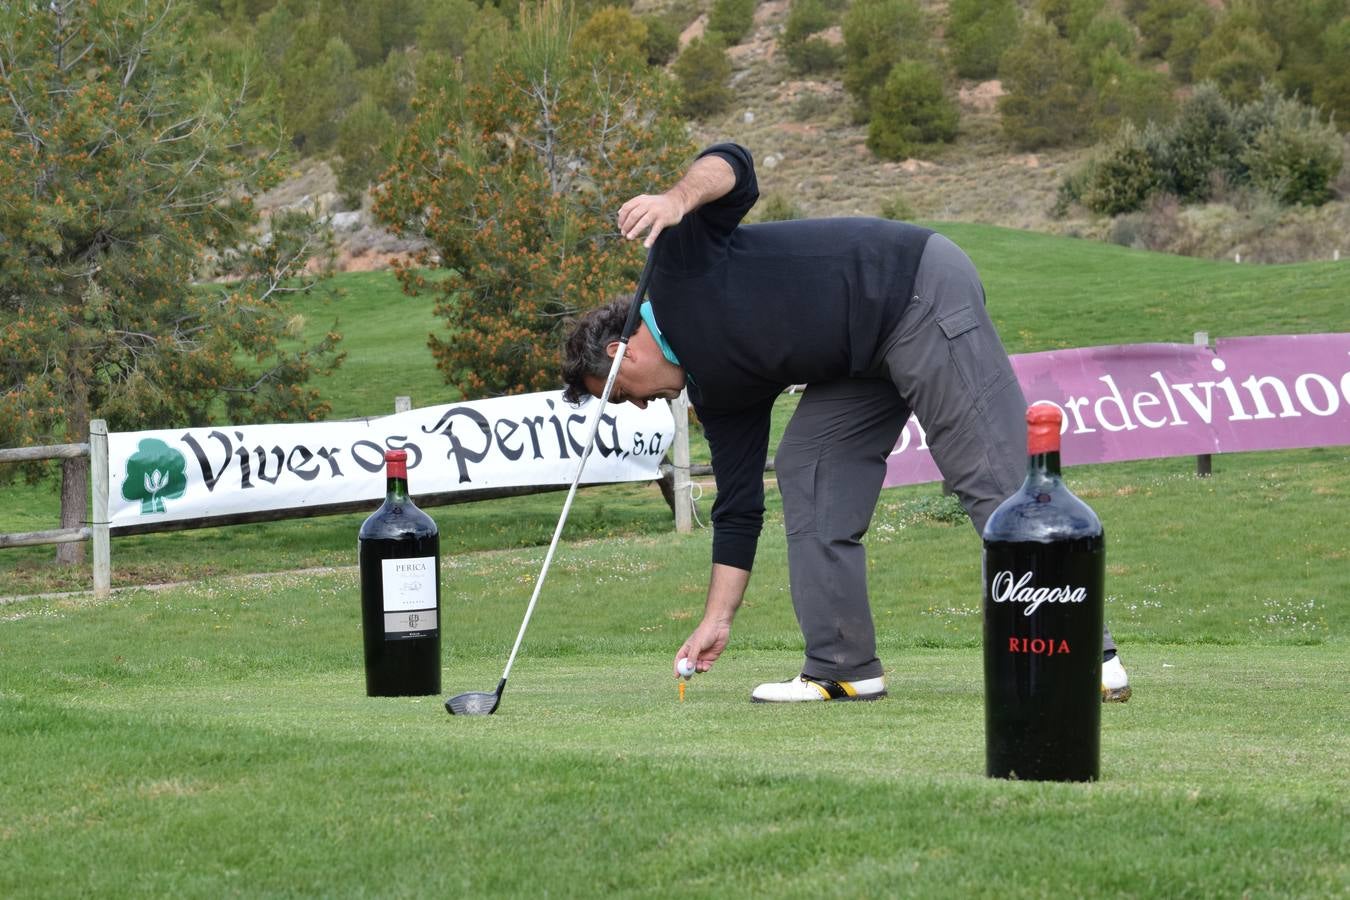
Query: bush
(897,208)
(1294,156)
(663,41)
(1332,91)
(806,51)
(316,90)
(1070,190)
(877,34)
(365,146)
(1126,92)
(613,30)
(445,27)
(1203,142)
(732,19)
(1272,147)
(1123,178)
(1172,30)
(1299,30)
(1108,33)
(1159,227)
(1238,57)
(813,106)
(1187,35)
(777,207)
(911,109)
(1043,80)
(702,71)
(978,34)
(805,18)
(1070,18)
(813,55)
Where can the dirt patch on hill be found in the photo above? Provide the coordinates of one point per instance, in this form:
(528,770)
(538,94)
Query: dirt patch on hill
(981,97)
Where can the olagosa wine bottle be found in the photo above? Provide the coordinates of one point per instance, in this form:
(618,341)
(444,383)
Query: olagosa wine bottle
(1044,569)
(399,549)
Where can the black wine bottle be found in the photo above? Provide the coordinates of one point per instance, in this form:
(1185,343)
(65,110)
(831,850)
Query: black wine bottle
(1044,571)
(399,551)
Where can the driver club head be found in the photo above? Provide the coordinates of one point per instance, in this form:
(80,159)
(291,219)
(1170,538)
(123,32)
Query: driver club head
(475,703)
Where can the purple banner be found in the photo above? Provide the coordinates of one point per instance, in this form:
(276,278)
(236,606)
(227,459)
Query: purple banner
(1141,401)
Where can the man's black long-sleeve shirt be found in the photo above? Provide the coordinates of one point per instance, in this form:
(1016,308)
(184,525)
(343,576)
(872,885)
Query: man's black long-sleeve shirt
(751,309)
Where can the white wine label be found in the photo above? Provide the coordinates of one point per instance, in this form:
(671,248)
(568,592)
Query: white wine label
(409,584)
(409,624)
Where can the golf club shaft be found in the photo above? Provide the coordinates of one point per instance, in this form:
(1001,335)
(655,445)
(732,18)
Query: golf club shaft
(629,327)
(567,506)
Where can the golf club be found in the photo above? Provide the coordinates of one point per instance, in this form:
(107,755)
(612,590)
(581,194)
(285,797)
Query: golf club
(485,703)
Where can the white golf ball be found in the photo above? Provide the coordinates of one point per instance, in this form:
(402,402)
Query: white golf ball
(685,667)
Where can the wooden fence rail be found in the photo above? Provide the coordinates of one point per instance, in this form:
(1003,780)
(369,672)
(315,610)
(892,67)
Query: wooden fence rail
(97,530)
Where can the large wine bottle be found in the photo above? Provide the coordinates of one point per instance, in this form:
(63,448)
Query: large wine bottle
(1044,569)
(399,549)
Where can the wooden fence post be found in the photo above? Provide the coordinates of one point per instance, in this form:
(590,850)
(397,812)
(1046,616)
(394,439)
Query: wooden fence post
(679,452)
(98,526)
(1204,462)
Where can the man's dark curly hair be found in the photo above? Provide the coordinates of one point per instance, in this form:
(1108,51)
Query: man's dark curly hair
(584,354)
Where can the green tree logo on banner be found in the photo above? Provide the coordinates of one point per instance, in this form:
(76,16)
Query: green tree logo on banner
(155,472)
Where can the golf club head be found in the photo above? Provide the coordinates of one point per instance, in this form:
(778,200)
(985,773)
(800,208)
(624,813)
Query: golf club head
(475,703)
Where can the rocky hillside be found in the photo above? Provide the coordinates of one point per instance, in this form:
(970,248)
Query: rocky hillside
(810,153)
(813,159)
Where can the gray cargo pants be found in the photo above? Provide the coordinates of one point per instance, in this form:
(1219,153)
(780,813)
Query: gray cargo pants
(943,362)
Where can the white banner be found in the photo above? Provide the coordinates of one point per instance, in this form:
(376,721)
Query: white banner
(527,440)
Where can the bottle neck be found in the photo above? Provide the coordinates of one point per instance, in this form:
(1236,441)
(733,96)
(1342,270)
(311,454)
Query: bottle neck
(1043,442)
(396,489)
(1043,465)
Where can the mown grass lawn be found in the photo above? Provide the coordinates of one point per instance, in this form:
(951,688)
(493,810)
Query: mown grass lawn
(214,737)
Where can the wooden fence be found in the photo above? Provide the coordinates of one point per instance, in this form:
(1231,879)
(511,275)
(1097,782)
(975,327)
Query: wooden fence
(97,530)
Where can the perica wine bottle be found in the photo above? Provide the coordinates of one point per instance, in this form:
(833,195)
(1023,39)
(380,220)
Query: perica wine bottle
(399,549)
(1044,568)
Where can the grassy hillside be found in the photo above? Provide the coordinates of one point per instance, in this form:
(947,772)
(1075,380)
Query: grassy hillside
(1044,292)
(384,335)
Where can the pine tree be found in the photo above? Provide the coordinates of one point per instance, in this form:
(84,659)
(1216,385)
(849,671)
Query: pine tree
(978,33)
(703,69)
(516,188)
(912,109)
(877,35)
(1045,84)
(1239,54)
(126,165)
(806,50)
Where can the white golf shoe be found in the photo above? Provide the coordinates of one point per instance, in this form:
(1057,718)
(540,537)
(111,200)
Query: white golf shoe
(802,689)
(1115,683)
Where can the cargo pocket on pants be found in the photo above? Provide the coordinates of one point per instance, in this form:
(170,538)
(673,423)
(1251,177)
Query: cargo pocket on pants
(975,351)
